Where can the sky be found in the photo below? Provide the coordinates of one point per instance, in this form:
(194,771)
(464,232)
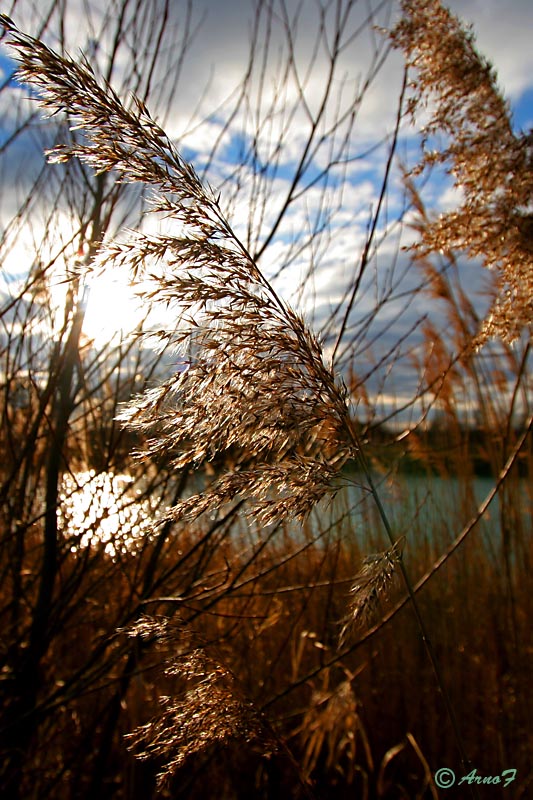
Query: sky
(198,97)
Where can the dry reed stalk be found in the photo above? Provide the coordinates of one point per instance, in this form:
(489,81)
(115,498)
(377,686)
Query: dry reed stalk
(332,732)
(253,381)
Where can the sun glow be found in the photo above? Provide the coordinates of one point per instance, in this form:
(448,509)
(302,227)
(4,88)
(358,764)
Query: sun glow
(113,308)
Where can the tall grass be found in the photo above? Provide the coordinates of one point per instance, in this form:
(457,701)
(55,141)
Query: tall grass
(231,663)
(230,676)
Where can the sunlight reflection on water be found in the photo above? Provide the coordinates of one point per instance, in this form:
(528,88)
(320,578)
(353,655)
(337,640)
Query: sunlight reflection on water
(104,509)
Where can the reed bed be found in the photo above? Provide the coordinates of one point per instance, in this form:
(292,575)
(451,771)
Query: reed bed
(228,654)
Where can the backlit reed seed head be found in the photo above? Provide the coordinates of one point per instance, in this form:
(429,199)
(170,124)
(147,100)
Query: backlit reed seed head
(490,162)
(209,712)
(251,381)
(370,585)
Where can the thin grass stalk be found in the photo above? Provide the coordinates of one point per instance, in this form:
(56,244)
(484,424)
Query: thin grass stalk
(444,558)
(365,257)
(430,650)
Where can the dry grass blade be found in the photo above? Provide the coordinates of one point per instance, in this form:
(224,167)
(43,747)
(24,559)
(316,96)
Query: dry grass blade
(331,731)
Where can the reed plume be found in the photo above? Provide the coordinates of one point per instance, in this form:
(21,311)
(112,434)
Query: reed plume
(252,380)
(489,161)
(252,387)
(369,586)
(211,711)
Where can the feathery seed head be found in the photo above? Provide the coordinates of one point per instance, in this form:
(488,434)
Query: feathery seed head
(257,385)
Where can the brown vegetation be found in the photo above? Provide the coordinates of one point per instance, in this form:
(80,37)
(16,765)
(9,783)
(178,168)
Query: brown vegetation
(205,621)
